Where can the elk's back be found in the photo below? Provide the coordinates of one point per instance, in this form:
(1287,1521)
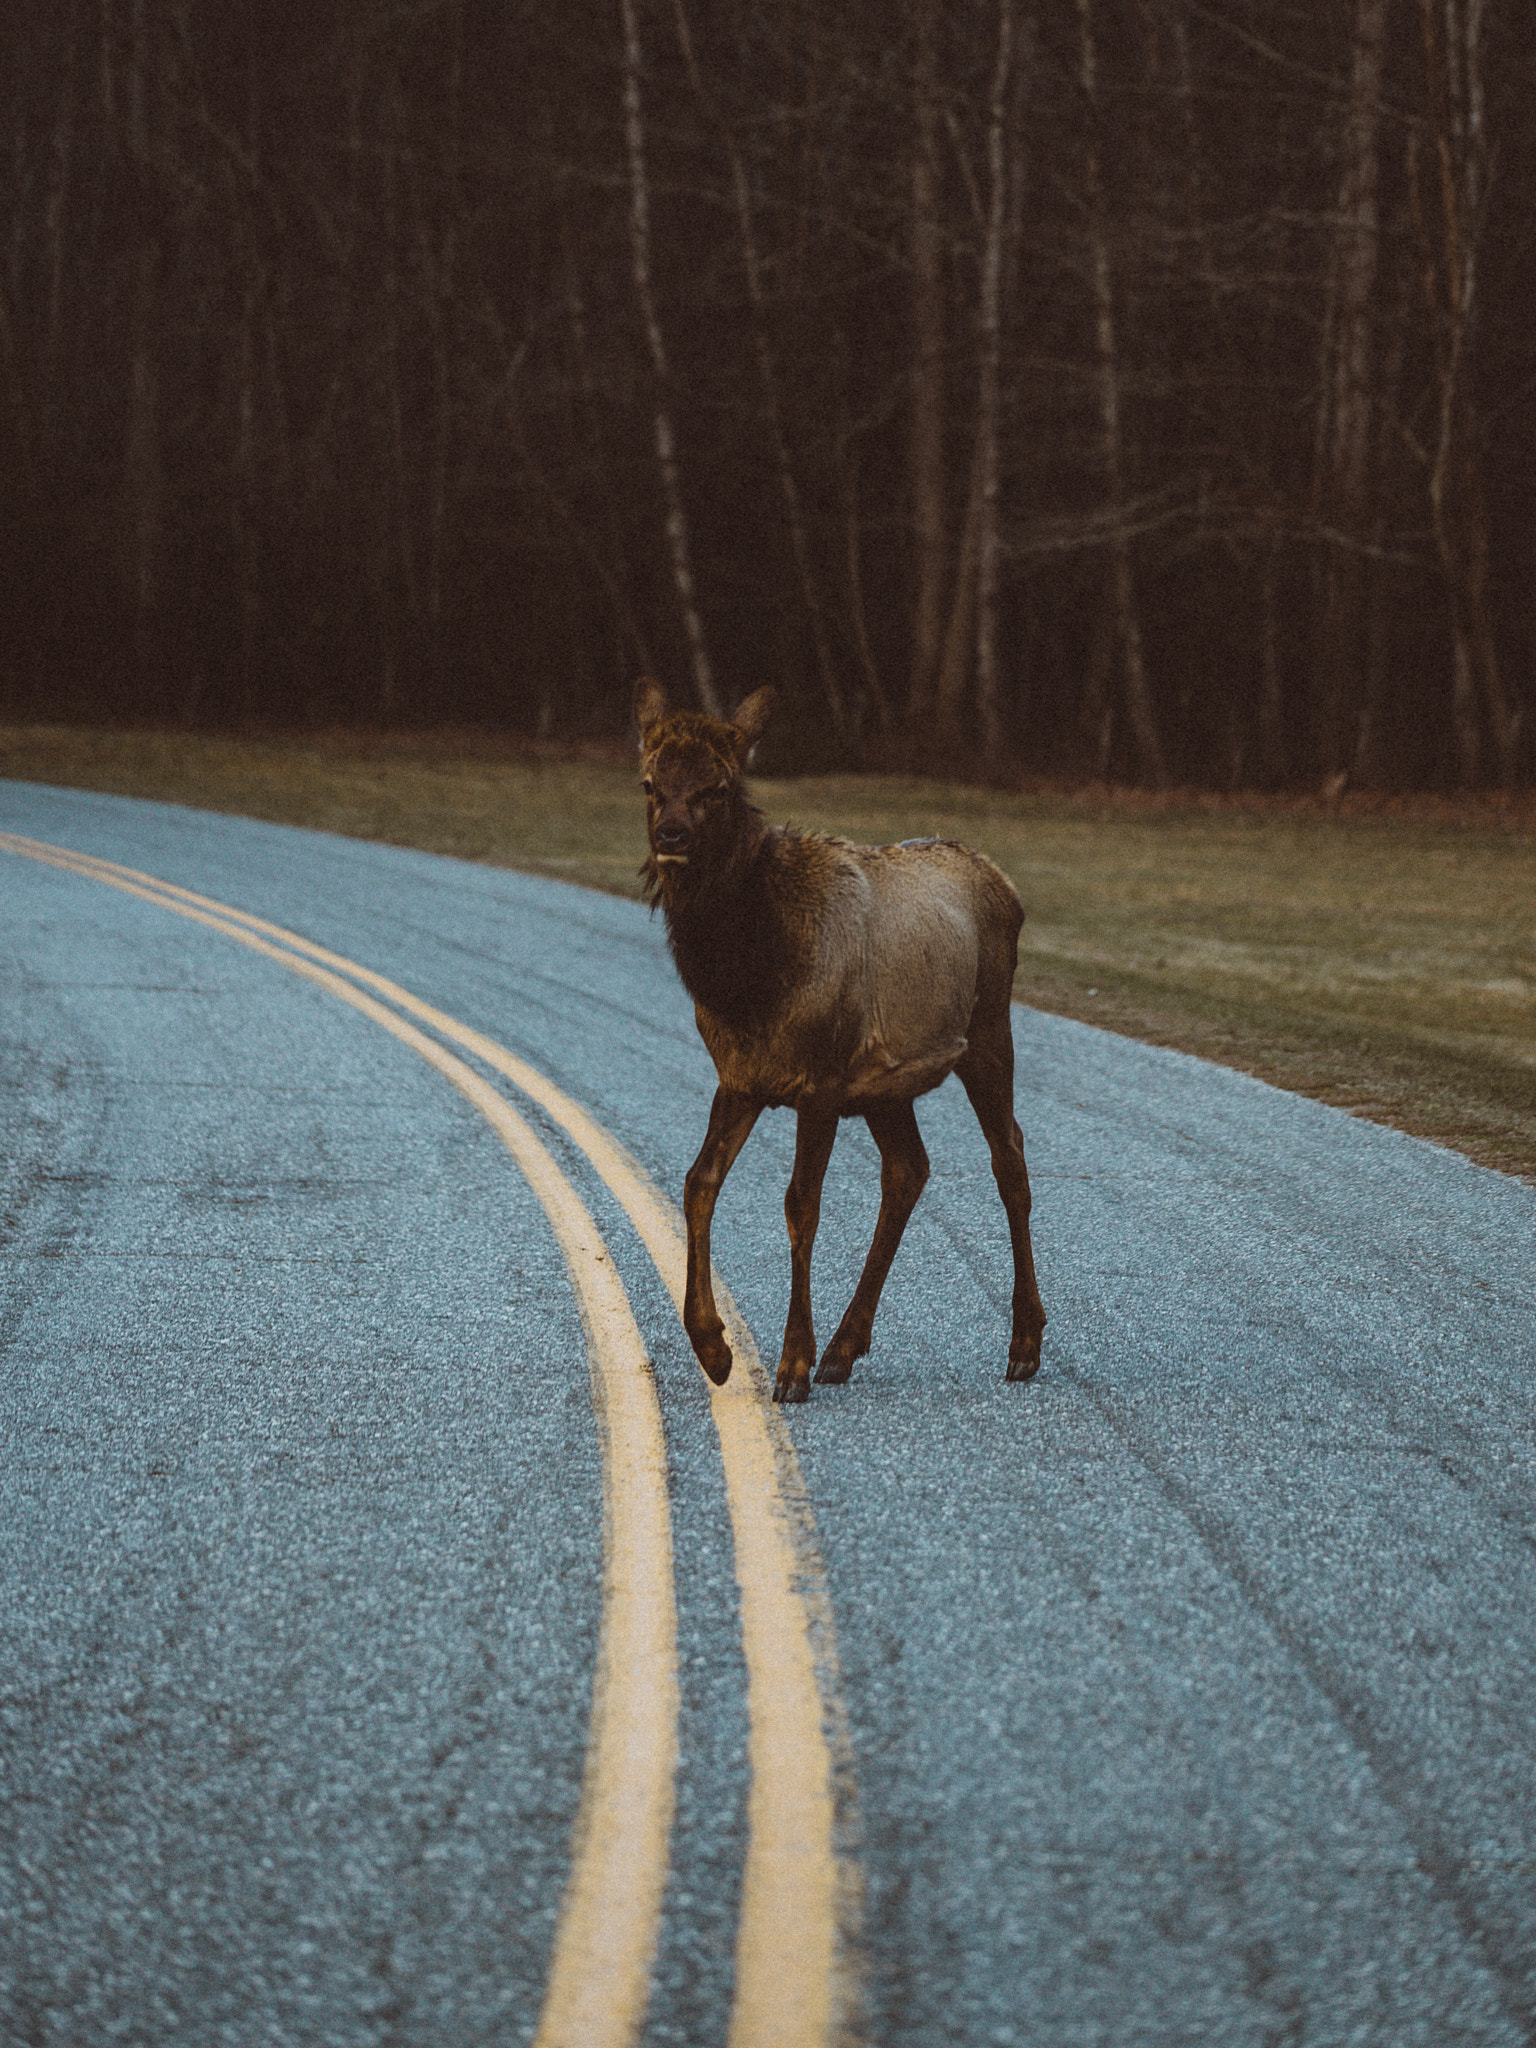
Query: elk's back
(894,946)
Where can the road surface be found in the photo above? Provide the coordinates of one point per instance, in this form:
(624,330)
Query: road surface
(1186,1694)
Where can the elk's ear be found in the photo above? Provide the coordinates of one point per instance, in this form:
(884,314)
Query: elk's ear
(752,716)
(650,706)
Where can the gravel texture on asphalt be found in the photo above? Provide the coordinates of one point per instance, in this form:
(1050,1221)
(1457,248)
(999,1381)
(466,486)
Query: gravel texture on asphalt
(1188,1689)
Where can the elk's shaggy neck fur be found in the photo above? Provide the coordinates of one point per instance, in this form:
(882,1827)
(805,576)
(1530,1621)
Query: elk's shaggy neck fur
(723,922)
(733,889)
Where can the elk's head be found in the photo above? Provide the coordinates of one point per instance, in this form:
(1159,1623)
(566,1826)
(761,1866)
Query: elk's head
(691,766)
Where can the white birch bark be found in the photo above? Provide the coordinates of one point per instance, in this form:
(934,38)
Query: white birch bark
(1347,387)
(143,465)
(768,372)
(929,395)
(970,636)
(1151,761)
(679,547)
(848,471)
(1450,234)
(990,339)
(60,173)
(389,680)
(959,645)
(443,282)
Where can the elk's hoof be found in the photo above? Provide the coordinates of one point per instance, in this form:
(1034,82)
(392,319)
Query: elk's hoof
(715,1357)
(788,1387)
(837,1362)
(1023,1359)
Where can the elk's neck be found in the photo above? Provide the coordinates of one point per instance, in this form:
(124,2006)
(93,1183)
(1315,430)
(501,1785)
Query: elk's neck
(726,935)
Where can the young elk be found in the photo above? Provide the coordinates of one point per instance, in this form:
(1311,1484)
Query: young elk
(834,980)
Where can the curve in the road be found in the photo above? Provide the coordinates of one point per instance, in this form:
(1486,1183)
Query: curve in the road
(793,1879)
(599,1977)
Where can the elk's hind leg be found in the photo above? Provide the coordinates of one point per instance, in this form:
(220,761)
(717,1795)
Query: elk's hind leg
(903,1176)
(986,1072)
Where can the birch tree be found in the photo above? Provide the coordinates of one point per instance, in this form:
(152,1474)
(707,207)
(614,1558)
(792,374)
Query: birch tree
(143,469)
(1140,714)
(768,373)
(969,654)
(1451,172)
(989,331)
(1347,388)
(679,546)
(927,367)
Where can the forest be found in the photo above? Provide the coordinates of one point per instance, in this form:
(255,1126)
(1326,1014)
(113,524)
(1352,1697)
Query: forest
(1139,390)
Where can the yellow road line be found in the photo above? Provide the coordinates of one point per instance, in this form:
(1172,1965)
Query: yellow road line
(793,1989)
(599,1981)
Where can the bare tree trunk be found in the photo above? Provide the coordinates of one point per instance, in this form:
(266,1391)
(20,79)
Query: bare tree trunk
(959,646)
(243,508)
(613,574)
(243,496)
(768,373)
(990,336)
(1097,704)
(143,469)
(609,560)
(678,543)
(60,173)
(18,440)
(848,471)
(143,465)
(1271,696)
(1235,409)
(929,395)
(1450,236)
(389,680)
(18,445)
(1344,425)
(443,282)
(1379,732)
(970,636)
(1122,584)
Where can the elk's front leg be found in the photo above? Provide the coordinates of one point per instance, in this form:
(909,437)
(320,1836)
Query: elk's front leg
(731,1118)
(814,1136)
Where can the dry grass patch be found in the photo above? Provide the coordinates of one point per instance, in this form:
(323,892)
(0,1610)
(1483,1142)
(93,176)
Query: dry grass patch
(575,818)
(1382,957)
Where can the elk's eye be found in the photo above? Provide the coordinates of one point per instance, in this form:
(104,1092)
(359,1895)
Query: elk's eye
(648,787)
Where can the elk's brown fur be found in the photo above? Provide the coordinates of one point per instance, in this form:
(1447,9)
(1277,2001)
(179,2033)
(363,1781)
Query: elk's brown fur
(835,980)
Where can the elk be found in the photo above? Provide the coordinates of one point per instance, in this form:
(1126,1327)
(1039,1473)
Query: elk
(835,980)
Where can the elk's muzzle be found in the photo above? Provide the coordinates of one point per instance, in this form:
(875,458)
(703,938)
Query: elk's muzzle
(672,839)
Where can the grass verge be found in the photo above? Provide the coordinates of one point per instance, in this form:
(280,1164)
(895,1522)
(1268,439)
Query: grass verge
(1377,955)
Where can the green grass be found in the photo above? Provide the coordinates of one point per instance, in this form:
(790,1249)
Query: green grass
(1379,956)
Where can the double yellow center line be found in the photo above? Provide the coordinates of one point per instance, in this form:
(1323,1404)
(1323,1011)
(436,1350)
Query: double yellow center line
(791,1986)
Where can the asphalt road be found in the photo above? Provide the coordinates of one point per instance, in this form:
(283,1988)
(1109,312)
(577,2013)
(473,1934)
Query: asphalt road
(1186,1694)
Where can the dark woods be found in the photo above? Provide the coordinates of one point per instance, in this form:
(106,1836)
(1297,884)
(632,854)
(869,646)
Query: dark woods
(1129,387)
